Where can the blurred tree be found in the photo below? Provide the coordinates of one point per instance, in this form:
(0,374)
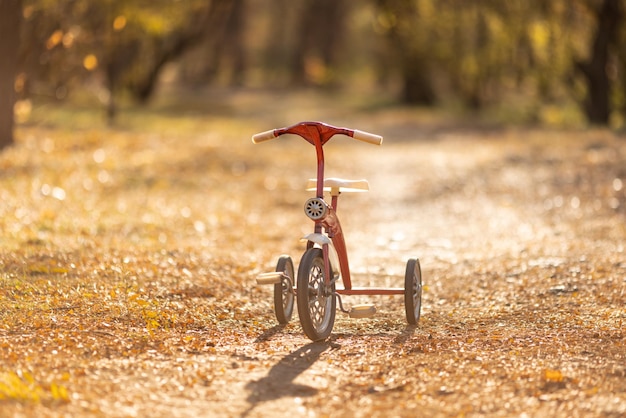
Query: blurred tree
(166,46)
(609,16)
(232,46)
(222,48)
(320,32)
(485,51)
(278,45)
(406,27)
(620,76)
(10,18)
(480,53)
(138,39)
(112,45)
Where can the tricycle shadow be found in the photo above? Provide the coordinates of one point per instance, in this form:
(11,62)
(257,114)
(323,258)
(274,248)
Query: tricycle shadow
(405,335)
(269,333)
(279,382)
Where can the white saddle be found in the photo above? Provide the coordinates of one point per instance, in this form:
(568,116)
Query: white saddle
(336,186)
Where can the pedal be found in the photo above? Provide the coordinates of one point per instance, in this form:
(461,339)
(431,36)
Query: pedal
(273,277)
(362,311)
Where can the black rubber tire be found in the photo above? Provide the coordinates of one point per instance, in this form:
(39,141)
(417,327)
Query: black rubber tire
(413,291)
(284,297)
(316,306)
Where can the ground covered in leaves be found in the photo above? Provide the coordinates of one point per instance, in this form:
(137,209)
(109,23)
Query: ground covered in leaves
(128,258)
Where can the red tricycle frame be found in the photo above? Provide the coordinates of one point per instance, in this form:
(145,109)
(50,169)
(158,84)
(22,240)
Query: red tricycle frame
(317,273)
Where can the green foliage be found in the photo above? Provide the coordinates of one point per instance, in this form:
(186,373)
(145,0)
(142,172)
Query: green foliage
(79,42)
(483,53)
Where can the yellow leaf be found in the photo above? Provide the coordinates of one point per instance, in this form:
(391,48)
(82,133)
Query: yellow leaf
(59,392)
(54,39)
(119,23)
(90,62)
(553,375)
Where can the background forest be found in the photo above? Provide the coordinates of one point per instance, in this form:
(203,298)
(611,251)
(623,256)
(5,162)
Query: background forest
(557,62)
(136,213)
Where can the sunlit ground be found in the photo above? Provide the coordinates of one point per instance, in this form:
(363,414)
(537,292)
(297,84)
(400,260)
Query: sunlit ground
(128,258)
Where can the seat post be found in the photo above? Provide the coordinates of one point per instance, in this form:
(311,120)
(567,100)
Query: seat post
(335,201)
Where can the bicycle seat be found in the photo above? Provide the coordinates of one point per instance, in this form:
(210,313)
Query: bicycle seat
(336,185)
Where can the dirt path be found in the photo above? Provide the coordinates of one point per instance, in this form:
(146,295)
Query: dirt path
(521,240)
(520,233)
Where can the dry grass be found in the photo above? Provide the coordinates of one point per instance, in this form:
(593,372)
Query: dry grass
(128,258)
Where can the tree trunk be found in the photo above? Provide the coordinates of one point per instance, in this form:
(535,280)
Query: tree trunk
(597,105)
(169,50)
(123,55)
(235,40)
(413,57)
(10,19)
(224,41)
(417,86)
(321,28)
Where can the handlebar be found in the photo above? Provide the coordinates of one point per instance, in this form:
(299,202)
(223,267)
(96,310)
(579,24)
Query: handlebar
(317,131)
(367,137)
(263,136)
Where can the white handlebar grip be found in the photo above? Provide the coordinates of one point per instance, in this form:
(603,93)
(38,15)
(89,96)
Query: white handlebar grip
(263,136)
(367,137)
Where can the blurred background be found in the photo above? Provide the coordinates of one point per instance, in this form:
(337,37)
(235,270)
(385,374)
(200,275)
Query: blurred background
(559,62)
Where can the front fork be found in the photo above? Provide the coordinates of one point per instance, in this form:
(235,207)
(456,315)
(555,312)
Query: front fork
(325,218)
(330,278)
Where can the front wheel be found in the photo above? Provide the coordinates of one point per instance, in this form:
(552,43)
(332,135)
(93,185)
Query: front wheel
(283,291)
(413,291)
(316,300)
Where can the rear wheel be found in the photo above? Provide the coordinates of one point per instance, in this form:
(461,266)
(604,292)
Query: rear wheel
(413,291)
(316,301)
(283,291)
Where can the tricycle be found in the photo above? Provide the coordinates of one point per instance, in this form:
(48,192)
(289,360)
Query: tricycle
(314,290)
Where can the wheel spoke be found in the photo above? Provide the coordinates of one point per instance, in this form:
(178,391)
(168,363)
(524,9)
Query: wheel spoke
(413,291)
(284,296)
(315,304)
